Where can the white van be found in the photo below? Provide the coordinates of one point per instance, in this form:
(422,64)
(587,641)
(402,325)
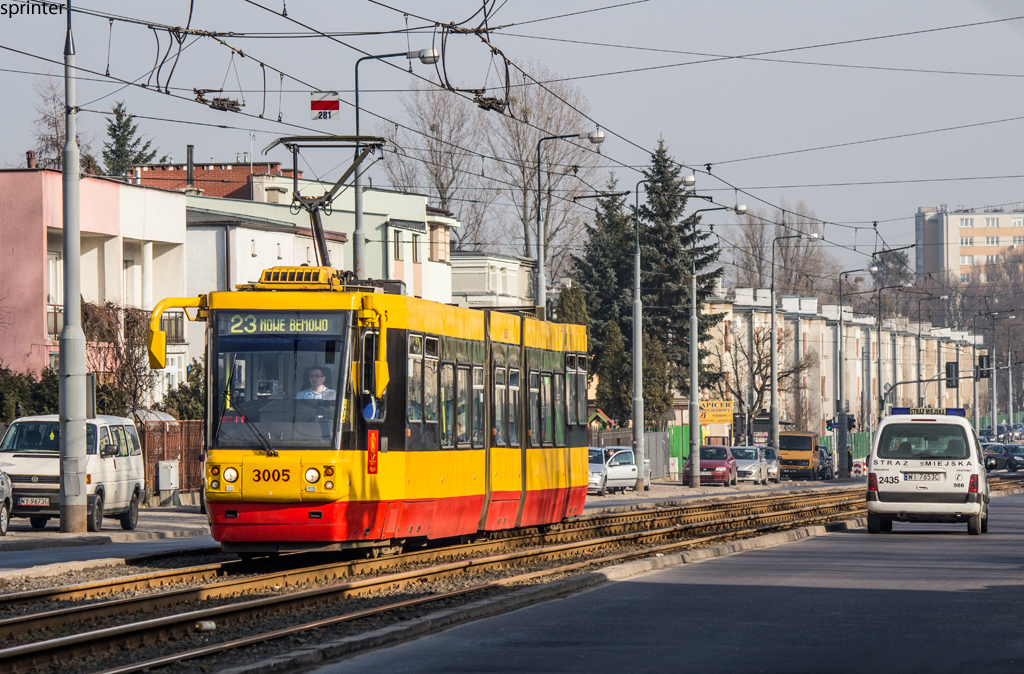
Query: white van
(927,466)
(115,475)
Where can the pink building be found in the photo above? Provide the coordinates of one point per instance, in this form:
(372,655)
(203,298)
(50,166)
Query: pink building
(133,248)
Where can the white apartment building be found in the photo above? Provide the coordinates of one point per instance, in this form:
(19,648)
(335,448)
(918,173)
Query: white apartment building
(957,244)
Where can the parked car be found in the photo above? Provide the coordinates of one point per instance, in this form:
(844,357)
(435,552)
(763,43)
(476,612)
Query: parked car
(826,468)
(772,457)
(113,466)
(614,468)
(751,464)
(1004,433)
(717,465)
(986,435)
(6,502)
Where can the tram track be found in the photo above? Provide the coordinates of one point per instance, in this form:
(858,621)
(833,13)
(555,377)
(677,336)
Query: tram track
(585,541)
(574,542)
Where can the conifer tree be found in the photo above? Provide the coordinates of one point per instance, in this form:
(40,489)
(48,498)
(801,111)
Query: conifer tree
(614,386)
(657,392)
(669,240)
(125,148)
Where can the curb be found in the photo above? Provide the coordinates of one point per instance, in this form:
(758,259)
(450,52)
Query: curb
(14,575)
(438,621)
(125,537)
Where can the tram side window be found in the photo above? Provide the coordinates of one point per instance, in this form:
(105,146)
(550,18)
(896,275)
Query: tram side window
(535,409)
(430,393)
(559,406)
(547,434)
(415,386)
(478,407)
(462,407)
(447,405)
(570,386)
(500,395)
(430,390)
(513,408)
(581,389)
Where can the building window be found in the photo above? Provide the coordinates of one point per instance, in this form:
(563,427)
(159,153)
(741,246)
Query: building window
(966,259)
(1017,222)
(991,222)
(966,240)
(992,259)
(1018,240)
(398,246)
(991,240)
(967,222)
(54,279)
(416,248)
(438,244)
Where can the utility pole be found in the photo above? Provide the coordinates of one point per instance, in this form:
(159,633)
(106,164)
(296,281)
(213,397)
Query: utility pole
(73,502)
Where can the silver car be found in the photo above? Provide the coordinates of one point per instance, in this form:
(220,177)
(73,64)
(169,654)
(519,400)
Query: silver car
(772,457)
(751,465)
(6,502)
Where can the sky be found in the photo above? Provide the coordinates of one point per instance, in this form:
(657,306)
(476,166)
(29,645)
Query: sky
(863,110)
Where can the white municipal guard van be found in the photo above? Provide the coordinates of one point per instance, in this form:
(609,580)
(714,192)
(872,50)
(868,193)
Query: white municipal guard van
(115,475)
(926,465)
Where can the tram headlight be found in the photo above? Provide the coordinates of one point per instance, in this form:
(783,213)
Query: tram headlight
(328,485)
(215,484)
(230,474)
(312,475)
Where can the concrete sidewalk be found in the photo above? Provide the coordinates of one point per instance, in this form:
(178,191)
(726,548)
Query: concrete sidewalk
(154,524)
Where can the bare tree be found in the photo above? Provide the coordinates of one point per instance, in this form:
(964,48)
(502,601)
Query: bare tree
(801,265)
(436,157)
(534,112)
(117,353)
(50,129)
(741,351)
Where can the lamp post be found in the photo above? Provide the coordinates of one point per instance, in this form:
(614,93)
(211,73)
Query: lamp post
(426,56)
(595,137)
(995,370)
(1009,379)
(920,371)
(977,370)
(694,406)
(841,436)
(881,394)
(774,405)
(638,338)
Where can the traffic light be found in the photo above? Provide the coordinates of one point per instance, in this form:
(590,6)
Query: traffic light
(984,367)
(851,422)
(952,374)
(830,424)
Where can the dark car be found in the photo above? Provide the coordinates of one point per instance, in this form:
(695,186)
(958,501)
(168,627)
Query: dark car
(999,454)
(717,465)
(986,435)
(826,469)
(1014,457)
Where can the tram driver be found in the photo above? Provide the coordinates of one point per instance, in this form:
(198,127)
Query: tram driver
(317,390)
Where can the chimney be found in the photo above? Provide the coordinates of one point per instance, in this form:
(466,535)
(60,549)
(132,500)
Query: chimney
(189,166)
(30,159)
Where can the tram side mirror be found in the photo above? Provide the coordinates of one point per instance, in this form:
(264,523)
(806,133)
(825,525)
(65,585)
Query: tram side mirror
(156,343)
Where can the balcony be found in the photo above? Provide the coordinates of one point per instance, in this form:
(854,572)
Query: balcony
(54,320)
(173,323)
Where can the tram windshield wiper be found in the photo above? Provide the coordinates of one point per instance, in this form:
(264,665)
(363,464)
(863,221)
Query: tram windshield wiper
(264,441)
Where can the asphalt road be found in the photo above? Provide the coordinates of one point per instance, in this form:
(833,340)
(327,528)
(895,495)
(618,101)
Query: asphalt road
(926,598)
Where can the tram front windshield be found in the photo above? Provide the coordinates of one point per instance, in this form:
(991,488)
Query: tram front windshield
(278,379)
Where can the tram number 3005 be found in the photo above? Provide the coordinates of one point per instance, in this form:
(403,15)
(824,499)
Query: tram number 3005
(271,475)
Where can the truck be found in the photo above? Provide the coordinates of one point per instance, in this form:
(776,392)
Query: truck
(798,455)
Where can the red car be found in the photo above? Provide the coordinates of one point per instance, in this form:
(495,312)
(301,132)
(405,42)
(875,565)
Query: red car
(717,466)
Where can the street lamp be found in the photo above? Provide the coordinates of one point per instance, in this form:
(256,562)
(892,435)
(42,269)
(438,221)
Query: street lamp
(995,370)
(844,468)
(881,394)
(977,370)
(595,137)
(638,337)
(694,407)
(426,56)
(920,369)
(774,405)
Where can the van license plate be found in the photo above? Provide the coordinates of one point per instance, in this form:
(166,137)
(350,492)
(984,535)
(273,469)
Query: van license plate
(922,477)
(33,501)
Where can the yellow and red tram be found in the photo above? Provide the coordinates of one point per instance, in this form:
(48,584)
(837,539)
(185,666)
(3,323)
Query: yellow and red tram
(341,415)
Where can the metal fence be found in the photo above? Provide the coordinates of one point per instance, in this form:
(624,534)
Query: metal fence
(656,446)
(180,441)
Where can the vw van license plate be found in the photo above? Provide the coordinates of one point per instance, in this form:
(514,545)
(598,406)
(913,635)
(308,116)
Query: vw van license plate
(922,477)
(33,501)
